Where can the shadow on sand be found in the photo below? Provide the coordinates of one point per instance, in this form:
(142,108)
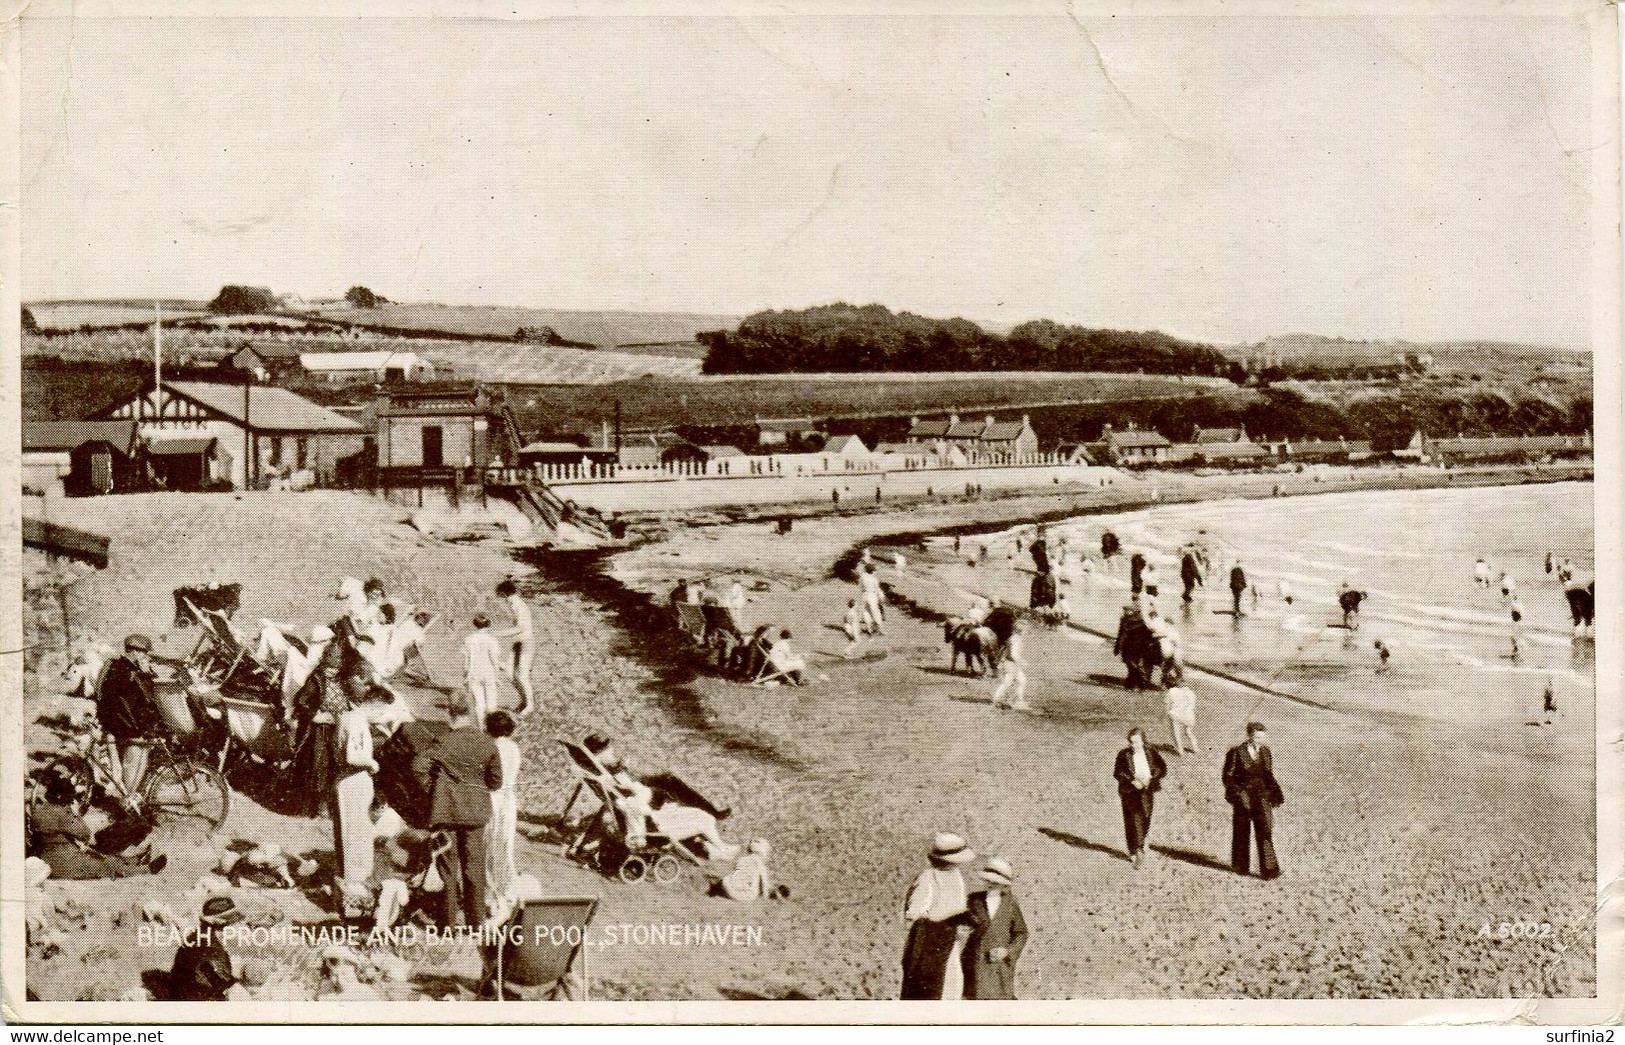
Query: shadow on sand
(1083,843)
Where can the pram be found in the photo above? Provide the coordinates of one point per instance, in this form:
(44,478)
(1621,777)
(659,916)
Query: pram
(605,840)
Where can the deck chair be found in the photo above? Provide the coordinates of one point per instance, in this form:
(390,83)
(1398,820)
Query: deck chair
(723,636)
(583,766)
(691,621)
(220,656)
(551,931)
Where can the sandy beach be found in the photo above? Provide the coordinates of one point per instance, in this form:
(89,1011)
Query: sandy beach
(1395,841)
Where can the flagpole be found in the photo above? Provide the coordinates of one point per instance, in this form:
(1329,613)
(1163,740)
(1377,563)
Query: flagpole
(157,360)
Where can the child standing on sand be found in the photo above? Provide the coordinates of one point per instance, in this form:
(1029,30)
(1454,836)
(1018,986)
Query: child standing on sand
(852,624)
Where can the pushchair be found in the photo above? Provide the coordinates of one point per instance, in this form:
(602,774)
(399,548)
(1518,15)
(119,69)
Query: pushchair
(605,840)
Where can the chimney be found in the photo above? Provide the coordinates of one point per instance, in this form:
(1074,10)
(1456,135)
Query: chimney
(953,419)
(989,422)
(1025,421)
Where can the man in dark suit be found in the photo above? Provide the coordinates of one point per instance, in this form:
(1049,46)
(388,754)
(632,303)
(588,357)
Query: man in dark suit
(998,935)
(460,770)
(1139,772)
(1253,793)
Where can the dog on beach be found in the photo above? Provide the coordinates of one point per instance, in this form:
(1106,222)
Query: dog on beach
(975,642)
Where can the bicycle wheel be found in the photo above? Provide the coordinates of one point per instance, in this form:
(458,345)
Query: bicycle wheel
(183,789)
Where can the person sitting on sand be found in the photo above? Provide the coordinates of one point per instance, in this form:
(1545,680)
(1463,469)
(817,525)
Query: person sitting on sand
(785,660)
(1509,587)
(749,880)
(1383,653)
(1481,573)
(203,970)
(63,840)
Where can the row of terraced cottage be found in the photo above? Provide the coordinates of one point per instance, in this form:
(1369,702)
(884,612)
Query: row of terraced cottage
(1232,447)
(196,435)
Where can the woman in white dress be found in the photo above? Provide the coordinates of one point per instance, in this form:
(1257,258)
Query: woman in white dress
(500,871)
(936,911)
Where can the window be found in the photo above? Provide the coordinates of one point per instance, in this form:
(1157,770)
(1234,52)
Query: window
(276,451)
(301,452)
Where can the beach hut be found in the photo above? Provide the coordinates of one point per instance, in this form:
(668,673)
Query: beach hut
(81,458)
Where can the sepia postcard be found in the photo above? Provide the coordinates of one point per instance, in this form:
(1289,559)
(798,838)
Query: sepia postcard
(678,512)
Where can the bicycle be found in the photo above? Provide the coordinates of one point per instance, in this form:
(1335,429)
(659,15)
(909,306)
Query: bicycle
(176,787)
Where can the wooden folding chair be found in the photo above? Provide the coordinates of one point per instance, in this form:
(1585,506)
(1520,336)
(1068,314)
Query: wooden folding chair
(552,934)
(219,653)
(691,621)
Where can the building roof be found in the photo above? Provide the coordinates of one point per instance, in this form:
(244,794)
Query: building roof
(928,429)
(1004,432)
(1078,451)
(901,448)
(787,427)
(269,408)
(840,444)
(544,447)
(463,401)
(181,447)
(723,451)
(636,454)
(1499,444)
(342,361)
(272,350)
(70,435)
(1230,451)
(967,430)
(1204,436)
(1135,437)
(1304,447)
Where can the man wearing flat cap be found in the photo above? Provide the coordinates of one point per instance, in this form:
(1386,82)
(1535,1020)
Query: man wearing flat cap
(998,935)
(1253,793)
(127,708)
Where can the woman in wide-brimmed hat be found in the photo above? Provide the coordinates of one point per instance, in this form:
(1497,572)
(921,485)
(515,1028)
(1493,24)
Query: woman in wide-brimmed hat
(937,926)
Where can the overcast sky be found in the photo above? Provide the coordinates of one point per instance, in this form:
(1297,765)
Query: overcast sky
(1221,179)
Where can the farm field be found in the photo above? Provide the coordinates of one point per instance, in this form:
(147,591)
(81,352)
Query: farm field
(606,329)
(739,401)
(71,315)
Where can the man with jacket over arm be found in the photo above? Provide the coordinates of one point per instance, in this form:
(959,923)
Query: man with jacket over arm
(460,770)
(1253,793)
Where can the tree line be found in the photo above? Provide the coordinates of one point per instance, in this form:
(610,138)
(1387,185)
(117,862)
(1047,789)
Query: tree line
(844,338)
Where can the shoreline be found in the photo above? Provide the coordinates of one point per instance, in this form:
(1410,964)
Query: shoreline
(959,516)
